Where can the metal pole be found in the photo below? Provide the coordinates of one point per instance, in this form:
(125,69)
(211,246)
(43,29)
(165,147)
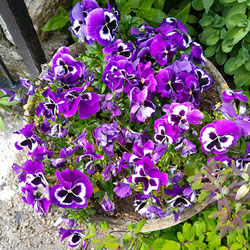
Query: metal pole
(16,17)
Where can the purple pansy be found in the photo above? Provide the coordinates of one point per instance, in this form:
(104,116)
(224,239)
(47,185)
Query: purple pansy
(165,133)
(147,174)
(188,148)
(182,114)
(40,205)
(197,54)
(218,136)
(31,141)
(66,68)
(161,50)
(78,17)
(110,169)
(75,236)
(106,135)
(204,79)
(40,153)
(34,173)
(59,130)
(122,190)
(230,95)
(101,26)
(19,171)
(169,85)
(107,205)
(73,191)
(141,107)
(87,104)
(183,198)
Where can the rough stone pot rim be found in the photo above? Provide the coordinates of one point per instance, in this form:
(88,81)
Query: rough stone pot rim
(151,224)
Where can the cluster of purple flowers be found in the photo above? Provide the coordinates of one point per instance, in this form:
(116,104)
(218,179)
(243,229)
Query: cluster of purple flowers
(151,82)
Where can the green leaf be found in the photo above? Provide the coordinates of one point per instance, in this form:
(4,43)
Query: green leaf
(220,57)
(180,237)
(57,22)
(156,15)
(173,245)
(197,5)
(131,227)
(5,108)
(210,36)
(184,13)
(4,101)
(111,242)
(233,63)
(206,20)
(203,196)
(200,227)
(210,51)
(92,231)
(207,4)
(247,65)
(241,77)
(165,244)
(2,126)
(104,226)
(235,9)
(140,226)
(158,244)
(236,246)
(192,19)
(159,4)
(188,231)
(238,18)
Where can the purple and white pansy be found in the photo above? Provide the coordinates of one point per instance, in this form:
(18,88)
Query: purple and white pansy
(73,191)
(218,136)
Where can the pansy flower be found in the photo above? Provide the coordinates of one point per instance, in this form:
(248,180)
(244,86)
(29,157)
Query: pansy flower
(66,68)
(204,79)
(75,236)
(147,174)
(229,95)
(181,114)
(40,205)
(163,51)
(197,54)
(122,190)
(169,85)
(107,205)
(141,107)
(73,191)
(101,26)
(31,140)
(218,136)
(165,133)
(183,198)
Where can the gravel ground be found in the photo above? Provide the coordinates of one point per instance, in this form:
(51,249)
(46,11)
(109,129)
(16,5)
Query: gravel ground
(20,227)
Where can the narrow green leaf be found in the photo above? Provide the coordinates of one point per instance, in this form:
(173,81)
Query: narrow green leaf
(184,13)
(140,226)
(2,126)
(4,101)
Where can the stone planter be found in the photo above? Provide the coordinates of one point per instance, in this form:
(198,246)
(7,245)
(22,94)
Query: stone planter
(120,224)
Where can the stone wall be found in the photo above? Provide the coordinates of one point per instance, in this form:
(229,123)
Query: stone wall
(40,12)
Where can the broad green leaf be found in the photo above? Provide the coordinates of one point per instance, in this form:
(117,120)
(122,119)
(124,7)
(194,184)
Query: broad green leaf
(197,5)
(158,244)
(140,226)
(228,1)
(210,36)
(161,244)
(184,13)
(200,227)
(207,4)
(235,9)
(104,226)
(247,65)
(57,22)
(236,246)
(203,196)
(241,77)
(238,18)
(173,245)
(2,126)
(233,63)
(210,51)
(92,231)
(180,237)
(206,20)
(157,16)
(159,4)
(111,242)
(192,19)
(220,57)
(188,231)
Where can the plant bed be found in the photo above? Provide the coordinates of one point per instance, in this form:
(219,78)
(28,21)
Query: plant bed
(118,129)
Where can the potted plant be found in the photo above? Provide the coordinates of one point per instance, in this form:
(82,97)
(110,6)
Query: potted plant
(117,130)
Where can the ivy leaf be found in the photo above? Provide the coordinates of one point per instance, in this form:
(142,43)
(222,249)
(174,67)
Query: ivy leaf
(57,22)
(140,226)
(111,242)
(207,4)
